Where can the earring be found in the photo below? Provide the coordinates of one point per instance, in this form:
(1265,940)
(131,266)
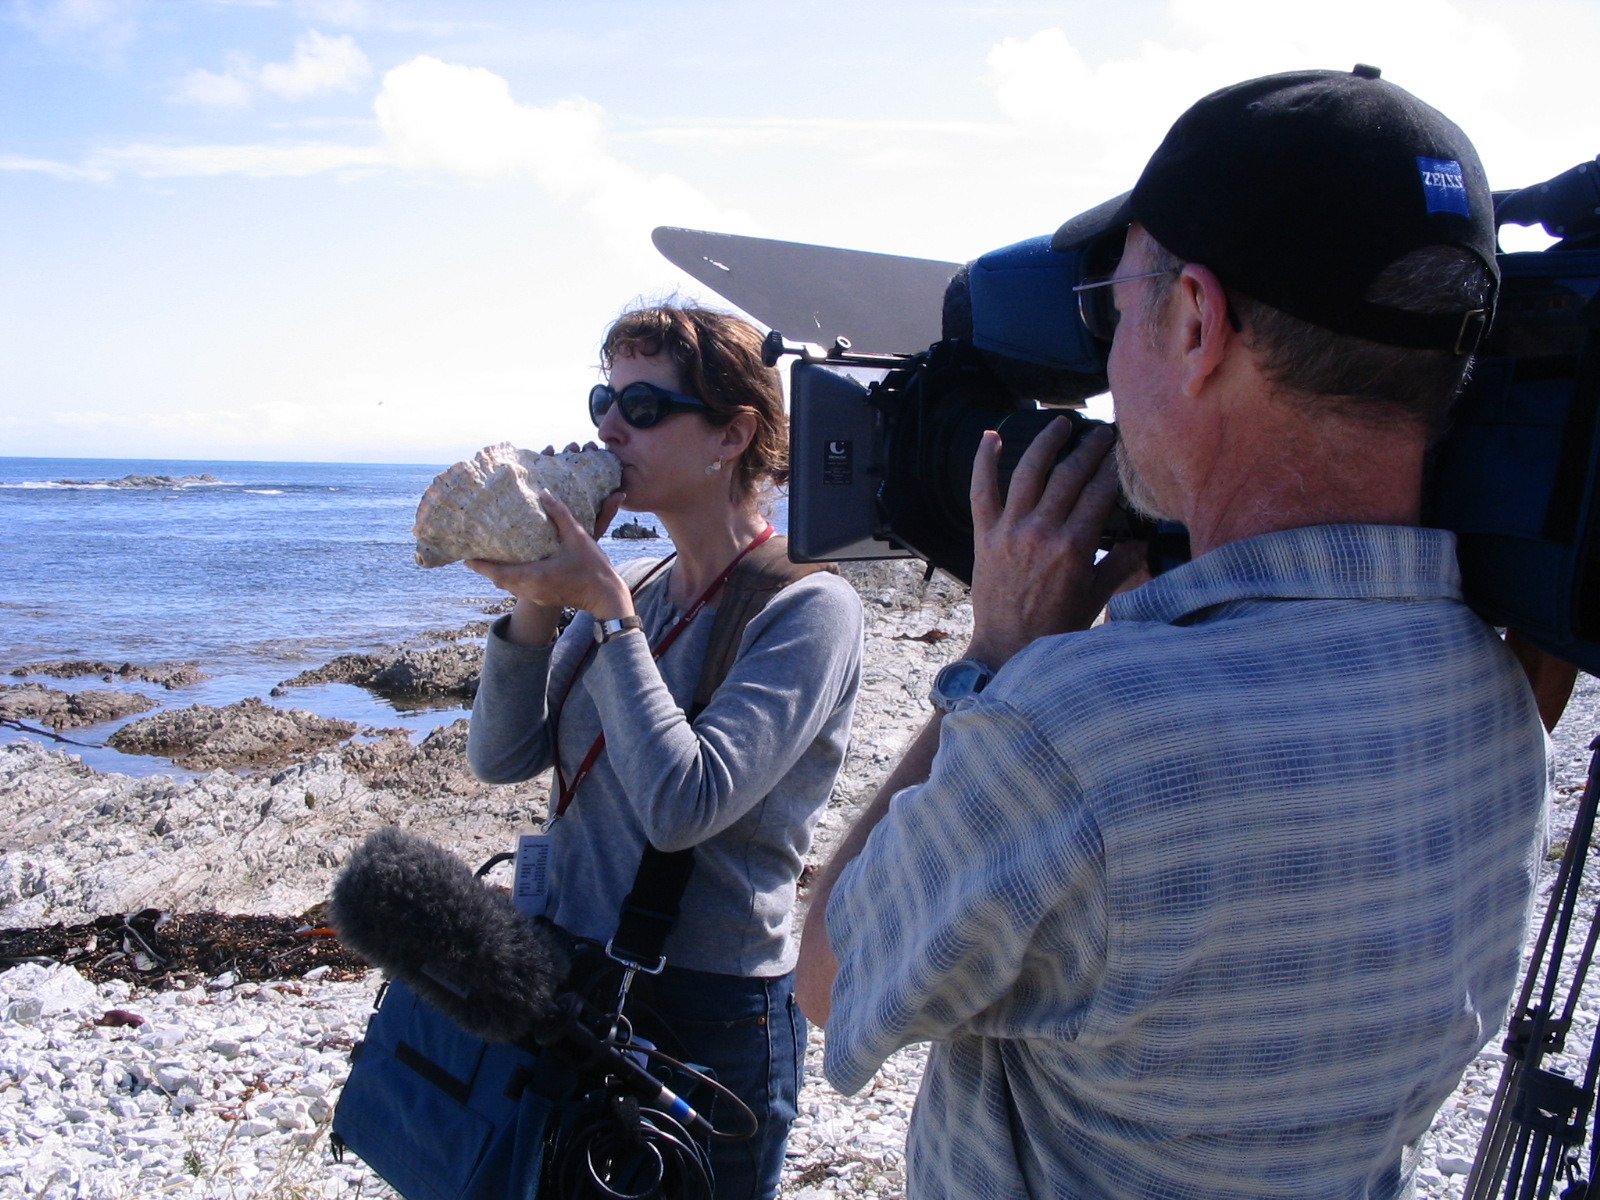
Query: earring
(714,467)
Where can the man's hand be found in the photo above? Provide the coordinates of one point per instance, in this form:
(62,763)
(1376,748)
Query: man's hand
(1034,571)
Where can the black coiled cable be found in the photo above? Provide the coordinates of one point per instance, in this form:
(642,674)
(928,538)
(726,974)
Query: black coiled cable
(623,1149)
(626,1151)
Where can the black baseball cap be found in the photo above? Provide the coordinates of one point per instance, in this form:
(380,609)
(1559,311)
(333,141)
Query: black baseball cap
(1299,189)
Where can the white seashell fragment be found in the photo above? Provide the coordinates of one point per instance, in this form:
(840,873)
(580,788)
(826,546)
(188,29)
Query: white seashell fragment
(489,507)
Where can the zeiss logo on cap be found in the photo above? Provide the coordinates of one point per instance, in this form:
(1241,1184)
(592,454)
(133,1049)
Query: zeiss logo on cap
(1443,185)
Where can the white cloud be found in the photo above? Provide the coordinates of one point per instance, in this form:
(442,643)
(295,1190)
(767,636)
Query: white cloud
(1458,55)
(304,158)
(442,117)
(1041,78)
(735,133)
(1523,97)
(99,27)
(321,64)
(463,120)
(212,90)
(64,171)
(350,13)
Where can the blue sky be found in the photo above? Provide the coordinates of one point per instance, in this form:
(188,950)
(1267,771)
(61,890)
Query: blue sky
(357,230)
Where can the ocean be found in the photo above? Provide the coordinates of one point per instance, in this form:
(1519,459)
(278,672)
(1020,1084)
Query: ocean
(257,573)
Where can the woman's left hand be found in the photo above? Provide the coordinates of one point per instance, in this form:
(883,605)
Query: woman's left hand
(577,575)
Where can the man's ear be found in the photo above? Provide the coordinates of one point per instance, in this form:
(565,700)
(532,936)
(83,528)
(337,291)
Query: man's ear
(1204,322)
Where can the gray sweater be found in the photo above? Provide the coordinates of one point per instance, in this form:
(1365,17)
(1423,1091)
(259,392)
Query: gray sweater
(744,784)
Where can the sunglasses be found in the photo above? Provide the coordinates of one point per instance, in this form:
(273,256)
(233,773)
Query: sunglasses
(1096,308)
(641,404)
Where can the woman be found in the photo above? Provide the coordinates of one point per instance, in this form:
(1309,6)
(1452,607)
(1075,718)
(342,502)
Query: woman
(697,421)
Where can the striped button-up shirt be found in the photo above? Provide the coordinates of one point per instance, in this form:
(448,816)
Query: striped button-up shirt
(1214,900)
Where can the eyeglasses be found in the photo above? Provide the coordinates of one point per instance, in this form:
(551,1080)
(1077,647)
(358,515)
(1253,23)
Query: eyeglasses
(1095,306)
(641,404)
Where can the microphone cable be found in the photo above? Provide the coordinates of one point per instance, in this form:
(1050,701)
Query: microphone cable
(631,1152)
(636,1144)
(621,1055)
(700,1077)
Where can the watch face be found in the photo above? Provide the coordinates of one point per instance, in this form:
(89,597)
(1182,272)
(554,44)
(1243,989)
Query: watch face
(957,681)
(960,679)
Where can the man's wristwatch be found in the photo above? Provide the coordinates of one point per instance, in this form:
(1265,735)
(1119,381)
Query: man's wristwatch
(605,630)
(960,679)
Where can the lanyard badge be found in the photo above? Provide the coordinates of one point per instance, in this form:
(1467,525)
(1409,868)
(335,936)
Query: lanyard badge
(531,888)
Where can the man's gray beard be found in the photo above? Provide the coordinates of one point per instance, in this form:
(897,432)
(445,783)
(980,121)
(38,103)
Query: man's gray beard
(1134,488)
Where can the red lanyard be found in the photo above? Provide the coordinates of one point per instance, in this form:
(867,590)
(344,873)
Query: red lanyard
(565,790)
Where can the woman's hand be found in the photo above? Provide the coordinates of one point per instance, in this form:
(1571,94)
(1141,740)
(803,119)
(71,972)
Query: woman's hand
(577,575)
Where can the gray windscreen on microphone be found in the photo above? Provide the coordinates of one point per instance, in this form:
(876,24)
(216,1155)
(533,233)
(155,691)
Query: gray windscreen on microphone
(414,910)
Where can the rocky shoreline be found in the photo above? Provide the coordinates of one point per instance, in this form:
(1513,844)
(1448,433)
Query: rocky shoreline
(224,1088)
(281,781)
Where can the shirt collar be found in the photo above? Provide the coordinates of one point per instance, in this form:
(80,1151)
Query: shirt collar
(1315,562)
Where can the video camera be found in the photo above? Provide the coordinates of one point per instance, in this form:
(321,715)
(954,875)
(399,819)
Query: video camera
(882,444)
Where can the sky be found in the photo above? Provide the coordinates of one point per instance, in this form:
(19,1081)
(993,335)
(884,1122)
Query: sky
(395,230)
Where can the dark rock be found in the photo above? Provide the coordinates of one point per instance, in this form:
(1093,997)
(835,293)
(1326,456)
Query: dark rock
(436,767)
(168,675)
(634,531)
(143,481)
(250,733)
(119,1017)
(443,671)
(347,668)
(472,629)
(68,710)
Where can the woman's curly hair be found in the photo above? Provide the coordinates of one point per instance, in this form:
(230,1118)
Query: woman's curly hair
(718,356)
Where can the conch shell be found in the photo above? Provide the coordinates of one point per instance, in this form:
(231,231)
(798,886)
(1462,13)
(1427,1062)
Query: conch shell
(489,507)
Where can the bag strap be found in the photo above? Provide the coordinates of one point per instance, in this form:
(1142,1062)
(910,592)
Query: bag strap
(651,908)
(763,573)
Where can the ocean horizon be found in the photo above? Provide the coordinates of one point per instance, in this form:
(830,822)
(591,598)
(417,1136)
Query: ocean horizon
(260,572)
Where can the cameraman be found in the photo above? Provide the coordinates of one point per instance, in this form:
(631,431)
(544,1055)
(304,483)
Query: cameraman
(1219,897)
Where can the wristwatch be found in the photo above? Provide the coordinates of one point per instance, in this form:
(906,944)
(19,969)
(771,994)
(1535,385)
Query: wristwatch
(958,680)
(605,630)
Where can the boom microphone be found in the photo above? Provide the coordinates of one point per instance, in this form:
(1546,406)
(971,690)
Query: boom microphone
(414,910)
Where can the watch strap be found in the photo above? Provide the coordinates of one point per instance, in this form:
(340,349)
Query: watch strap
(612,627)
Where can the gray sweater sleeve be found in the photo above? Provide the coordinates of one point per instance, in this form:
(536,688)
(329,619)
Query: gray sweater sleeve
(685,783)
(508,738)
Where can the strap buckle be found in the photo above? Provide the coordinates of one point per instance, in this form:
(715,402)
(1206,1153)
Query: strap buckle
(630,968)
(632,964)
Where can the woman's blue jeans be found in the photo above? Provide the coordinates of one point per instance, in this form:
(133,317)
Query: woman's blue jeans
(750,1032)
